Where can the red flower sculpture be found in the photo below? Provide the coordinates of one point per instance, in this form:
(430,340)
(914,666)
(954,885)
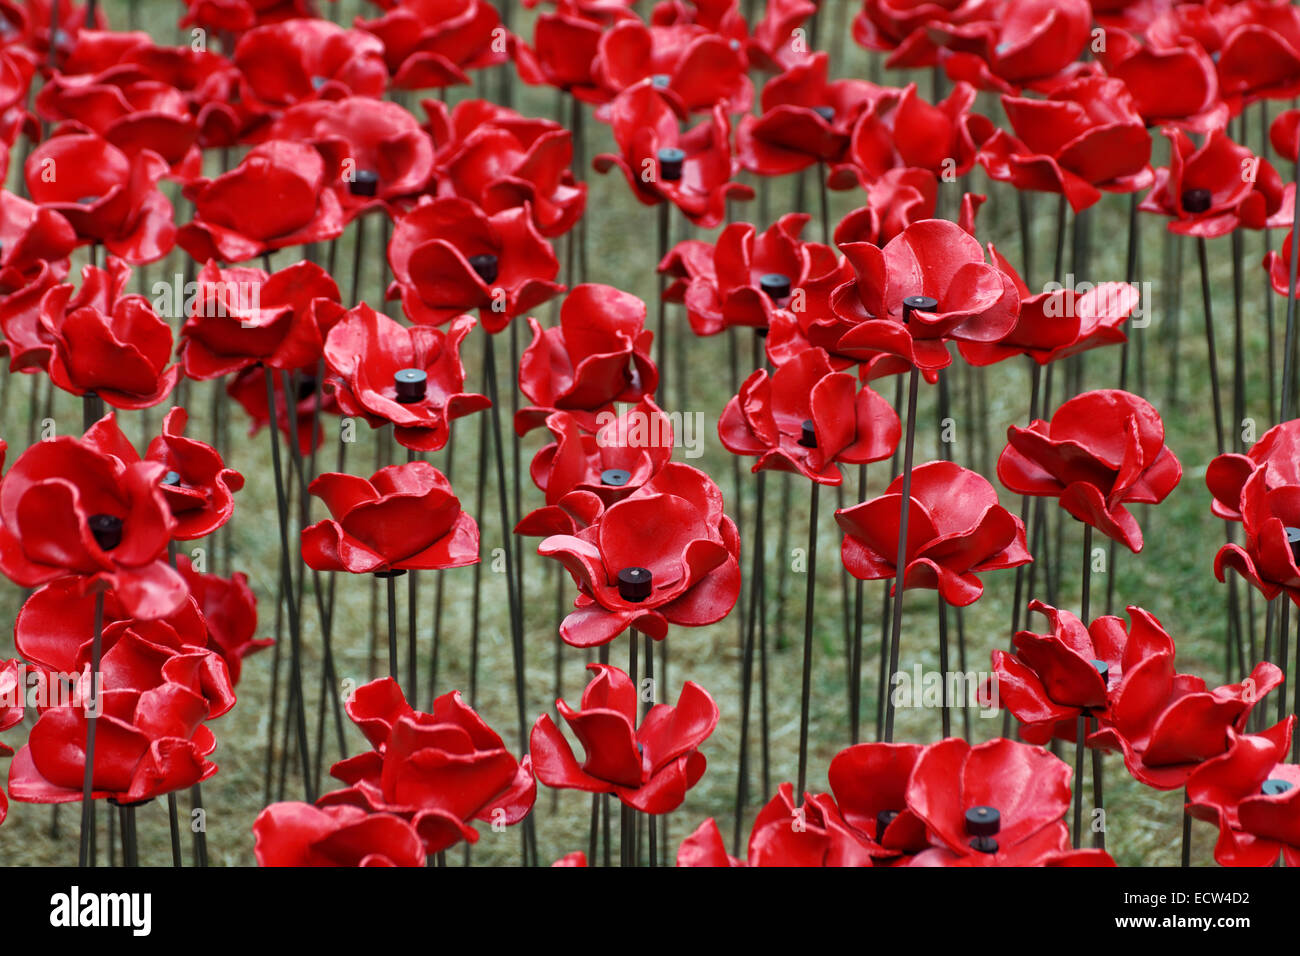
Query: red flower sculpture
(1057,323)
(805,119)
(692,64)
(151,737)
(692,170)
(438,770)
(1013,43)
(955,527)
(1101,450)
(869,782)
(934,258)
(107,197)
(362,139)
(33,240)
(1000,803)
(501,160)
(405,517)
(648,767)
(299,834)
(68,509)
(1253,795)
(303,59)
(279,195)
(1167,724)
(1212,189)
(1054,678)
(243,317)
(807,418)
(432,43)
(1269,516)
(106,343)
(1085,137)
(722,284)
(599,354)
(1276,453)
(412,377)
(1260,57)
(563,55)
(1170,85)
(666,554)
(449,257)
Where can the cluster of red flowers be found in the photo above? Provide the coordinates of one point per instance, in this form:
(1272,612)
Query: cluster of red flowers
(311,123)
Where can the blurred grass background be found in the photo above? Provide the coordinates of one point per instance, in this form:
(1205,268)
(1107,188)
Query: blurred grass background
(1172,577)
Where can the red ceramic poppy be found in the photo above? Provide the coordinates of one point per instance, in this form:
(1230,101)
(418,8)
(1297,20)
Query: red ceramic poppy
(1167,724)
(299,834)
(66,508)
(1100,451)
(130,110)
(1260,57)
(1276,453)
(295,60)
(666,554)
(816,325)
(107,197)
(695,66)
(433,43)
(229,609)
(405,517)
(905,131)
(1277,264)
(106,343)
(649,766)
(1269,515)
(1087,136)
(411,377)
(597,355)
(562,55)
(806,119)
(869,782)
(774,46)
(955,527)
(25,338)
(1000,803)
(723,284)
(808,419)
(976,302)
(1014,43)
(618,458)
(197,484)
(693,170)
(1057,323)
(151,736)
(898,27)
(32,239)
(1253,795)
(362,140)
(1174,85)
(208,81)
(439,770)
(242,317)
(1054,678)
(1284,134)
(279,195)
(449,257)
(1212,189)
(56,624)
(501,160)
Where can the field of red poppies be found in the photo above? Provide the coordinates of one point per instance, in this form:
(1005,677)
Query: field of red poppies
(590,433)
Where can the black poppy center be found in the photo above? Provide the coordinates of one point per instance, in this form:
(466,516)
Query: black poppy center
(411,384)
(485,266)
(172,479)
(775,285)
(365,182)
(1197,200)
(983,824)
(615,477)
(1293,542)
(808,434)
(660,81)
(918,303)
(671,160)
(827,113)
(1274,787)
(634,584)
(883,819)
(107,531)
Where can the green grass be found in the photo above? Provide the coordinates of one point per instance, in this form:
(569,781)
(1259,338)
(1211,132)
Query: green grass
(1172,577)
